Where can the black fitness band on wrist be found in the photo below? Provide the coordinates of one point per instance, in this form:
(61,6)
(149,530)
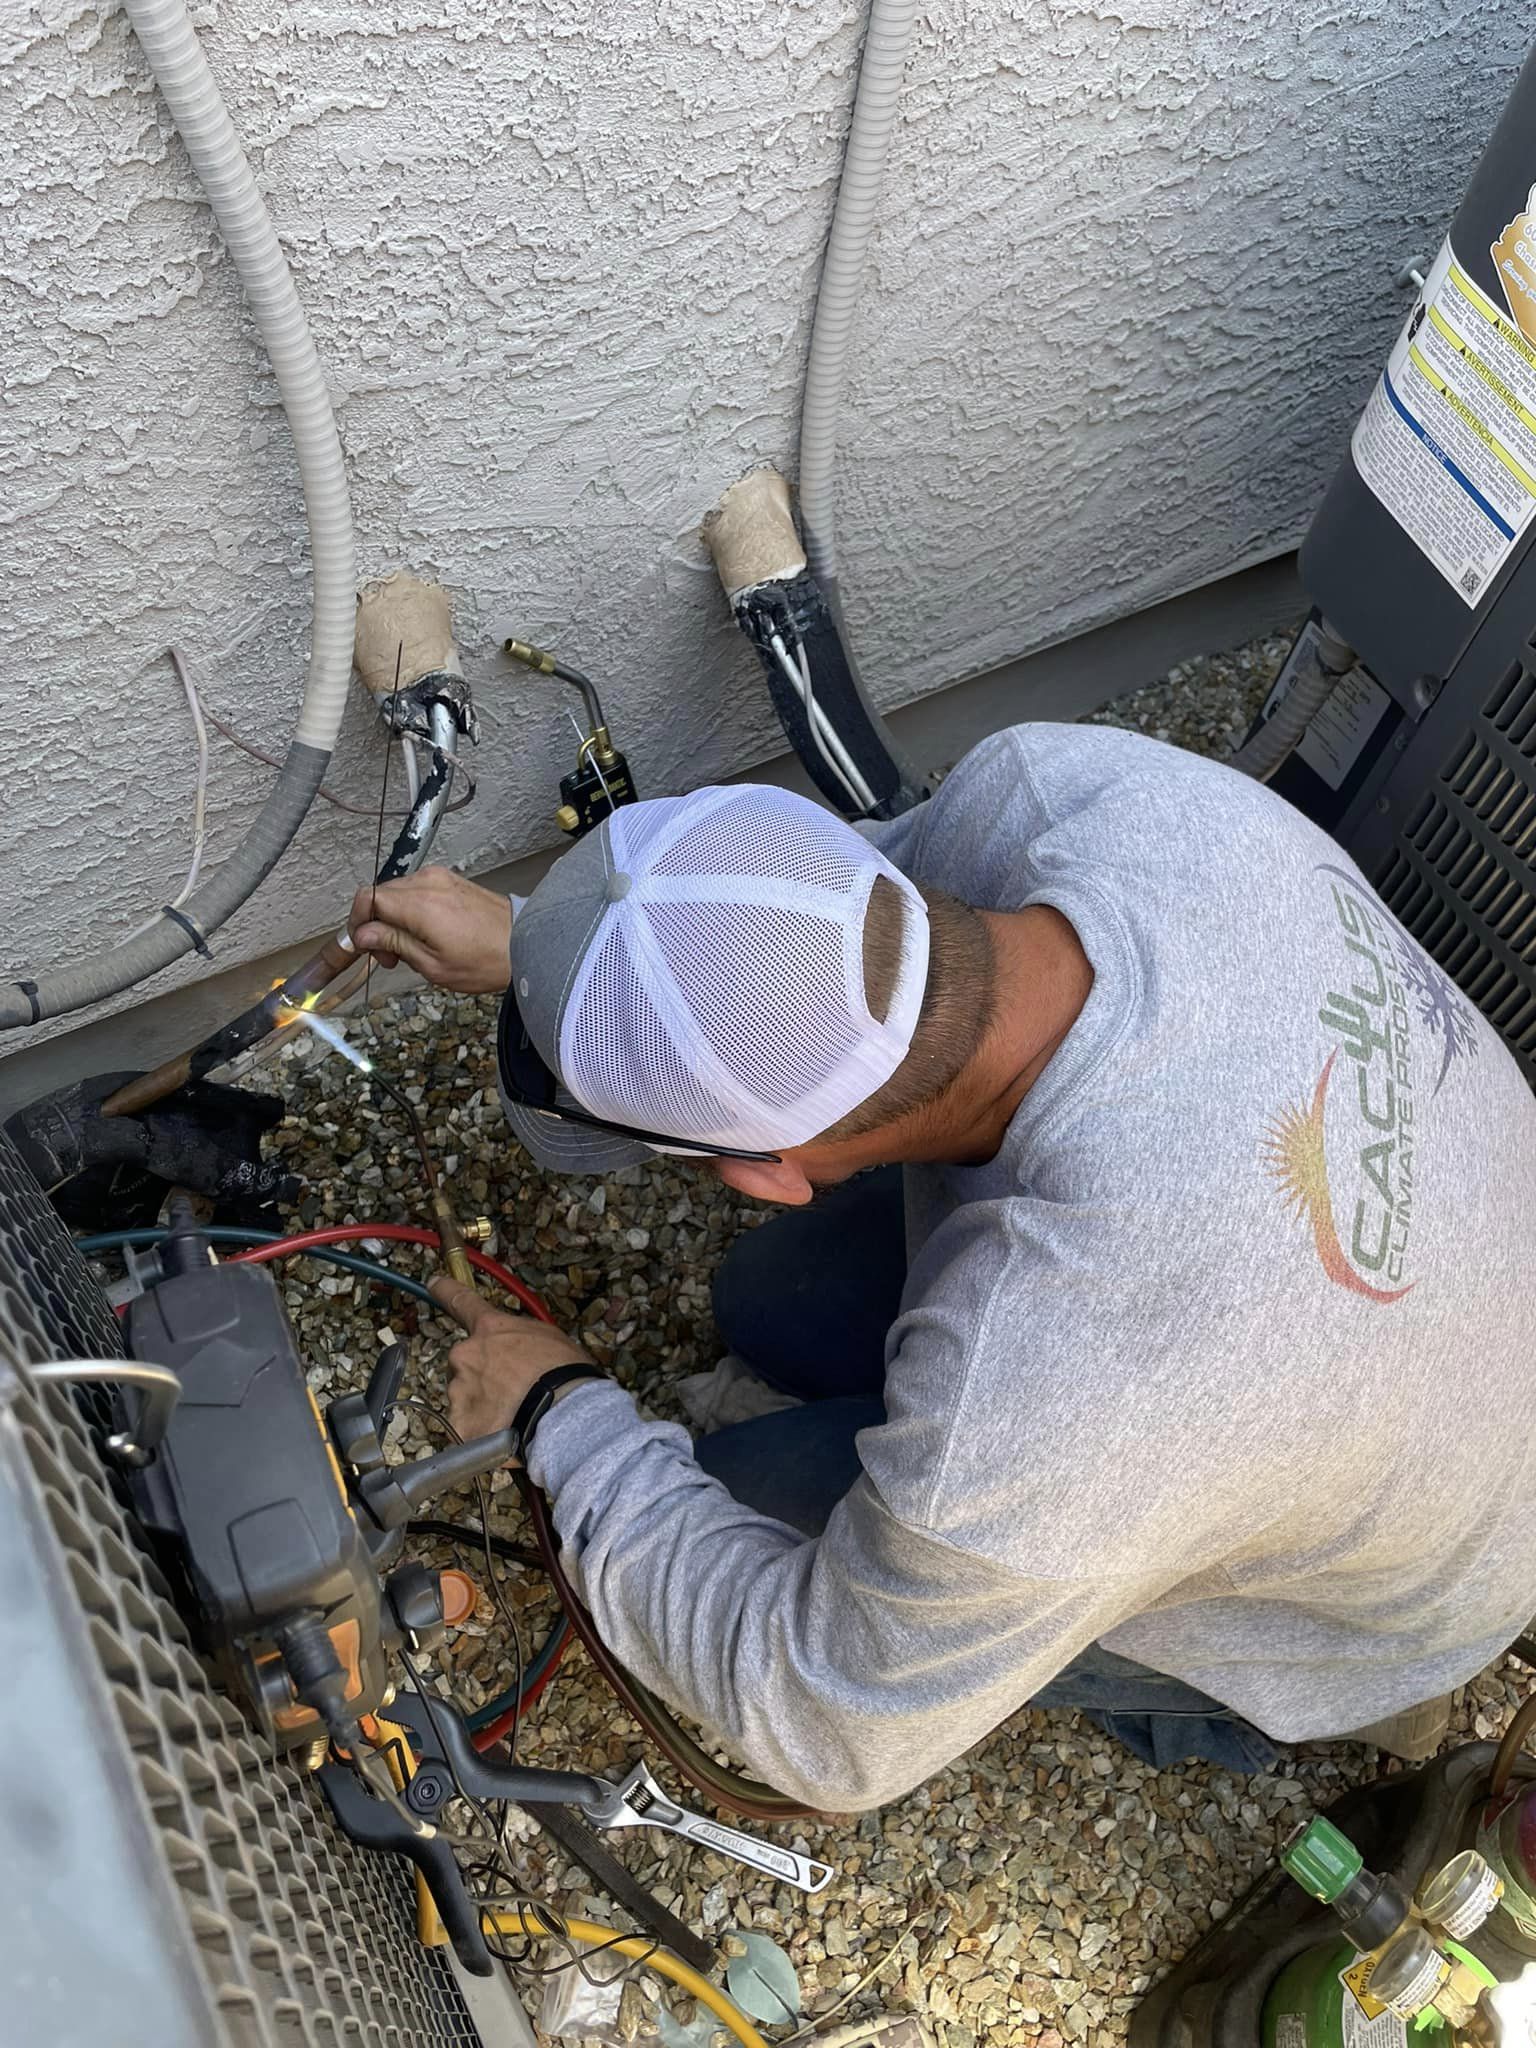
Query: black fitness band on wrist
(536,1402)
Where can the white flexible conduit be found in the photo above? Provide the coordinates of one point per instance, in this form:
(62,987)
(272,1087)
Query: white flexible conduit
(869,139)
(182,74)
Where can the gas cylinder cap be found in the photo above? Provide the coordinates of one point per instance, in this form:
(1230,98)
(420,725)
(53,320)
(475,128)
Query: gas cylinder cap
(1323,1861)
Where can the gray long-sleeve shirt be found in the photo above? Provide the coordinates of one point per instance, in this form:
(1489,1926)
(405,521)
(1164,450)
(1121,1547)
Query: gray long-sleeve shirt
(1225,1360)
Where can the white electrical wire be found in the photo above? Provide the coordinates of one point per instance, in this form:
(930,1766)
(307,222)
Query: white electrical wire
(862,792)
(412,766)
(199,801)
(823,734)
(840,763)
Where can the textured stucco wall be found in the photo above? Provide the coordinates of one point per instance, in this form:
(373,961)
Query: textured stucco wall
(1132,281)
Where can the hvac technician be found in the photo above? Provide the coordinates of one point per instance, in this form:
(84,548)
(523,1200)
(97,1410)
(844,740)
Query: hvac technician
(1191,1384)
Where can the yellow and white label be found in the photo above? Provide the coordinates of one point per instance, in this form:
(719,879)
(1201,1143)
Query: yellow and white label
(1385,2031)
(1357,1982)
(1365,2021)
(1447,441)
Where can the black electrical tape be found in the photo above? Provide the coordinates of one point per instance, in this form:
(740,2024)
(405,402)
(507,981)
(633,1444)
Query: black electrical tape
(437,686)
(29,990)
(177,917)
(430,686)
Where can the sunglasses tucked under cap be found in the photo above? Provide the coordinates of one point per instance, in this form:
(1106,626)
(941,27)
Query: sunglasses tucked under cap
(694,968)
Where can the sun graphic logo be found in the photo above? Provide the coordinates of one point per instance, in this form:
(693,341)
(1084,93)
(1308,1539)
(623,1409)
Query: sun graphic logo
(1296,1151)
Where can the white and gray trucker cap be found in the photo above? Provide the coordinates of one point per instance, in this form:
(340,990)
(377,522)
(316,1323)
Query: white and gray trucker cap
(694,967)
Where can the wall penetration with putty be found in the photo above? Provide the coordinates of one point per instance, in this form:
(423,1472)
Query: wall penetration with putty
(1132,282)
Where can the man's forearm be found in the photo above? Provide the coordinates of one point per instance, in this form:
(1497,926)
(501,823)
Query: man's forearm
(639,1525)
(843,1670)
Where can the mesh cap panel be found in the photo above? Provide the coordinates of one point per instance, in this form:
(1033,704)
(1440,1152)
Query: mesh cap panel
(739,840)
(615,1033)
(787,1053)
(721,994)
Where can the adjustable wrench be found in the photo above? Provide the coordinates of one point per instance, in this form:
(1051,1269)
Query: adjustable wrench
(638,1801)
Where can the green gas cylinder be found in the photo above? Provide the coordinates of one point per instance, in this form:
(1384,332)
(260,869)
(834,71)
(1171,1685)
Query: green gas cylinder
(1308,2006)
(1403,1958)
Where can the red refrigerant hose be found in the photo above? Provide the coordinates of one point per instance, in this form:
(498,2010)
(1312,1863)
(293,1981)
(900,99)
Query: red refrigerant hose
(395,1233)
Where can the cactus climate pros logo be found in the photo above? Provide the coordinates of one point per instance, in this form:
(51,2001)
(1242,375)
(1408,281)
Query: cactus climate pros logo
(1352,1173)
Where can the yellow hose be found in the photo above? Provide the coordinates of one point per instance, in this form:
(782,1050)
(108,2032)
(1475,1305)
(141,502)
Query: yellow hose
(661,1960)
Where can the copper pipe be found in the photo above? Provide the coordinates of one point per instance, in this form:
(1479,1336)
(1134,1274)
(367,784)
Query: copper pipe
(333,958)
(455,1256)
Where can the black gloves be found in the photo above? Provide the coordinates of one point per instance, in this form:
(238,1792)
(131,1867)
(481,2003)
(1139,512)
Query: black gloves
(111,1173)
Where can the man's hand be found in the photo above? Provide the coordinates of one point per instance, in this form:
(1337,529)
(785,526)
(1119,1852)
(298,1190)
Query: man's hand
(450,930)
(494,1366)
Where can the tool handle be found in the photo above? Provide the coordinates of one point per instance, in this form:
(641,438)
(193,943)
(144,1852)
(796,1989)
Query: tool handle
(804,1872)
(384,1384)
(439,1731)
(374,1825)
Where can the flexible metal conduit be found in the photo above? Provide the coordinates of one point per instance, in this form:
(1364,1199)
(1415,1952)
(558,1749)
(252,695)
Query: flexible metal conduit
(1278,737)
(869,139)
(182,74)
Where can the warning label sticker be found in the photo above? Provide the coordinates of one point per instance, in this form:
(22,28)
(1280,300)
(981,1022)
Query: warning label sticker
(1448,439)
(1386,2031)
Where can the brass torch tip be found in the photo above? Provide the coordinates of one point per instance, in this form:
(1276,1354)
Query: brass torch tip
(530,656)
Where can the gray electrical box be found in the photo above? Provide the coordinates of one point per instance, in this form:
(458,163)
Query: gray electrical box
(1423,557)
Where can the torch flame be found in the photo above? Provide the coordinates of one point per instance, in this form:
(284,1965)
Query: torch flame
(324,1028)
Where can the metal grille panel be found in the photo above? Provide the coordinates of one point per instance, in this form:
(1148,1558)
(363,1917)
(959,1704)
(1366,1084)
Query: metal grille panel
(302,1940)
(1462,876)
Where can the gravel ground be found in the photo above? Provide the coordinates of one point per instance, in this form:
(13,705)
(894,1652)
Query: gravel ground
(1030,1893)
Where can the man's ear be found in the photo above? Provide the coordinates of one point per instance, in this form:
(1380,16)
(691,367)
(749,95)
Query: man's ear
(767,1181)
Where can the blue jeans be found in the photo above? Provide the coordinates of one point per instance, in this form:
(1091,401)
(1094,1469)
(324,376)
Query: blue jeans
(807,1299)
